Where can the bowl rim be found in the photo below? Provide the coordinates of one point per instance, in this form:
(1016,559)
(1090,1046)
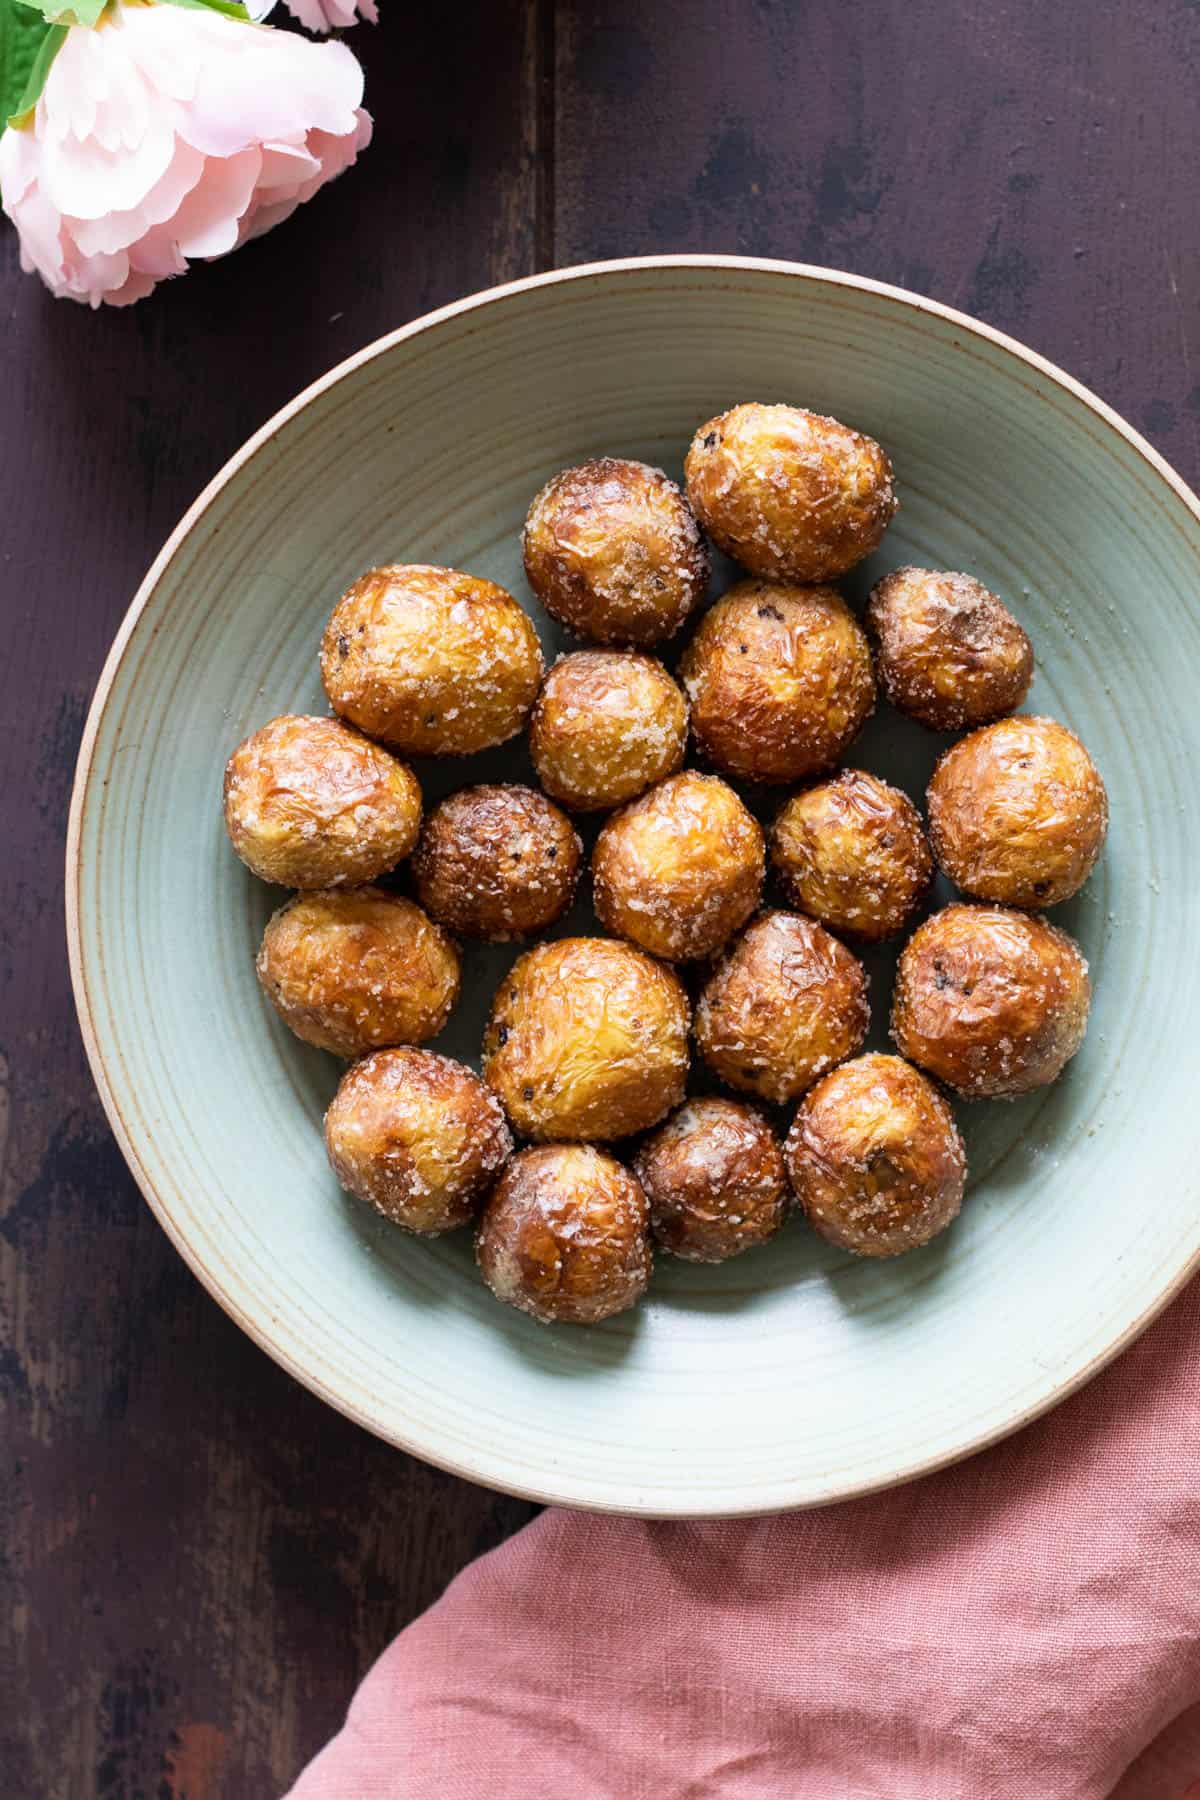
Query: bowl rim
(233,1302)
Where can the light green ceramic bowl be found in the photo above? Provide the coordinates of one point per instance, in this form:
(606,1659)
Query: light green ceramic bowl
(793,1375)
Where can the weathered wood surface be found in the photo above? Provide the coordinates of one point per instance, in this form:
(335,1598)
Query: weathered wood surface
(197,1558)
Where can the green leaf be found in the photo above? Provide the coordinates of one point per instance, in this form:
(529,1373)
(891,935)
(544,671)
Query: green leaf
(230,8)
(23,35)
(48,49)
(68,12)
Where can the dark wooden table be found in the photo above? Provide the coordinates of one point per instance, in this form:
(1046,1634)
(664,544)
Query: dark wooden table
(198,1560)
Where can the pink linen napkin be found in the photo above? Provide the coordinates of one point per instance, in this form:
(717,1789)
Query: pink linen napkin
(1026,1624)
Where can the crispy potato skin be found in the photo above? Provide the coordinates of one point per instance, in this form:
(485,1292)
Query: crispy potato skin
(992,1001)
(779,680)
(875,1158)
(496,861)
(613,552)
(1018,813)
(418,1136)
(715,1180)
(564,1236)
(948,652)
(787,493)
(680,869)
(786,1003)
(587,1039)
(356,969)
(433,662)
(851,852)
(607,725)
(311,803)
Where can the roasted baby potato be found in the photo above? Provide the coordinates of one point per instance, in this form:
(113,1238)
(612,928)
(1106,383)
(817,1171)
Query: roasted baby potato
(418,1136)
(1018,813)
(992,1001)
(851,852)
(433,662)
(356,969)
(789,494)
(715,1180)
(587,1039)
(948,652)
(564,1236)
(311,803)
(613,552)
(779,679)
(680,869)
(496,861)
(607,725)
(875,1158)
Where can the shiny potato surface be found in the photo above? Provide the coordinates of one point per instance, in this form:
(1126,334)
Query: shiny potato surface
(563,1236)
(417,1136)
(715,1180)
(779,679)
(851,852)
(356,969)
(607,725)
(587,1039)
(613,552)
(1018,813)
(311,803)
(947,650)
(433,662)
(786,1003)
(787,493)
(992,1001)
(496,861)
(680,869)
(875,1158)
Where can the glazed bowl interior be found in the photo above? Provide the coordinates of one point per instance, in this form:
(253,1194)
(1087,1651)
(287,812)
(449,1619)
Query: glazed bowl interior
(794,1374)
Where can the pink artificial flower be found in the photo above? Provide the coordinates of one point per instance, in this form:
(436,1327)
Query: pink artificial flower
(332,15)
(167,133)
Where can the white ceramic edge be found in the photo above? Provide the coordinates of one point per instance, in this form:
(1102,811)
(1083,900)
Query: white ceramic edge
(234,1300)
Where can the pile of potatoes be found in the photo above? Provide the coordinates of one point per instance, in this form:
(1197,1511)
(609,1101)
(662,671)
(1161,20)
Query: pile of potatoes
(588,1044)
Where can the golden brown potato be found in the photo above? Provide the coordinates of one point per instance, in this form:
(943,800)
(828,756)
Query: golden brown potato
(418,1136)
(1018,813)
(496,861)
(311,803)
(786,1003)
(355,969)
(787,493)
(608,724)
(851,853)
(715,1180)
(947,650)
(875,1158)
(993,1002)
(433,662)
(680,869)
(563,1236)
(587,1039)
(779,680)
(613,552)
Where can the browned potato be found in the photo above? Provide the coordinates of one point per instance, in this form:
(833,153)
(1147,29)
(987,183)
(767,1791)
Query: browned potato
(418,1136)
(680,869)
(789,494)
(613,552)
(779,680)
(587,1039)
(715,1180)
(1018,813)
(947,650)
(785,1004)
(311,803)
(608,724)
(875,1158)
(563,1236)
(496,861)
(851,853)
(355,969)
(433,662)
(993,1002)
